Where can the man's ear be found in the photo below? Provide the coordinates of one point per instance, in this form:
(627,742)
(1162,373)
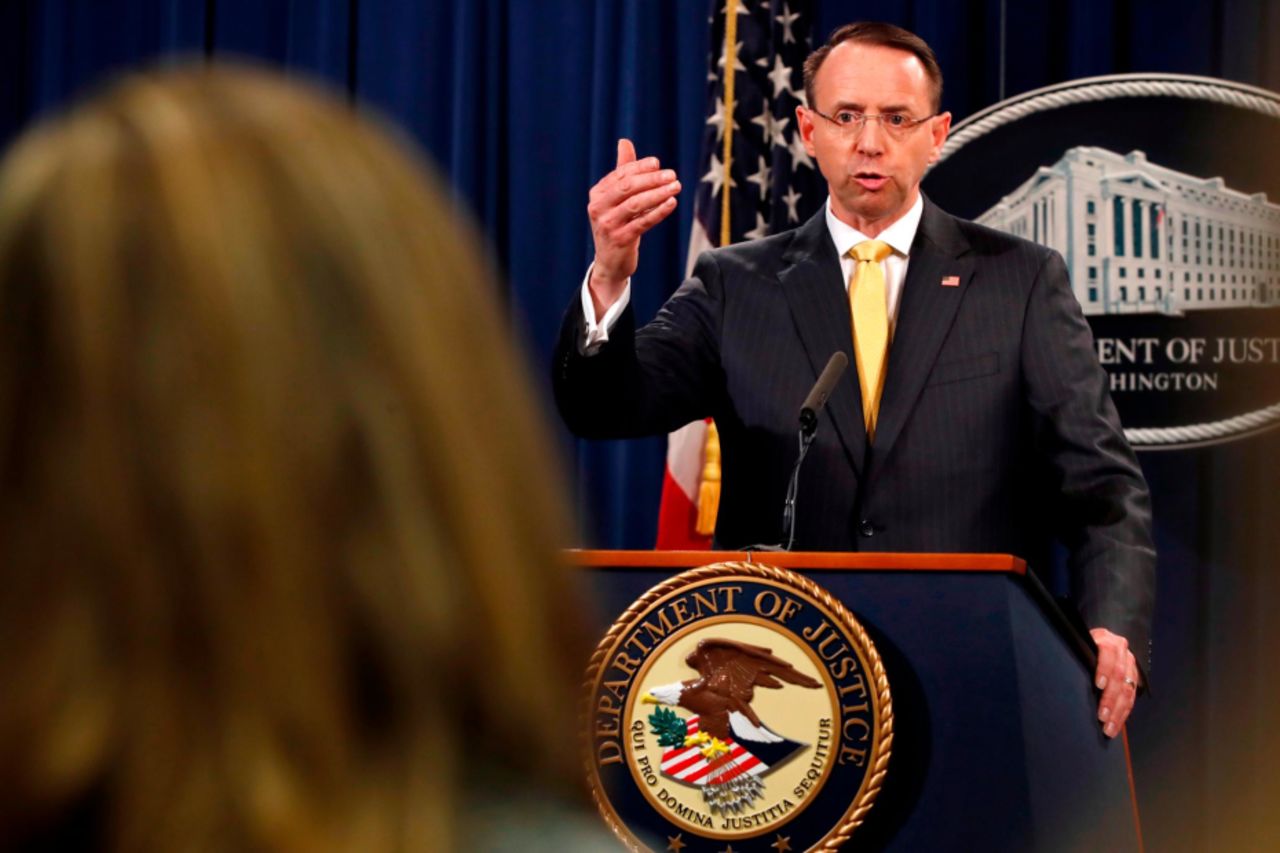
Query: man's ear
(939,128)
(804,121)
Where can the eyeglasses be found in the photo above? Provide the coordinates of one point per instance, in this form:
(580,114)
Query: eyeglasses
(850,123)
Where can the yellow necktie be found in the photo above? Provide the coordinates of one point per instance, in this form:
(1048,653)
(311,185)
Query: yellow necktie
(869,303)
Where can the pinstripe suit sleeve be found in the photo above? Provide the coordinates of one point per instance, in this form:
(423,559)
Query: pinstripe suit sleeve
(647,381)
(1103,512)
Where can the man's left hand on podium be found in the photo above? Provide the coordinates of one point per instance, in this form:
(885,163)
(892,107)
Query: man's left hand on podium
(1117,677)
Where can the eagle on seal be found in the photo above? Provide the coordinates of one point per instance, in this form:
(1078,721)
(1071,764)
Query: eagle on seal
(728,674)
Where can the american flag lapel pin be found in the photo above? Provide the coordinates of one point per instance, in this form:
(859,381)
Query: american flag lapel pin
(951,281)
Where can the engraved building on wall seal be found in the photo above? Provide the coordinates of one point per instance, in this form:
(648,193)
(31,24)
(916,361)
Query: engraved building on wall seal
(1142,238)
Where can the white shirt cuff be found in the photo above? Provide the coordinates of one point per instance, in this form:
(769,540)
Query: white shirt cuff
(597,331)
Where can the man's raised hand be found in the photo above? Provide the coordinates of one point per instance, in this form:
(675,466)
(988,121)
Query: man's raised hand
(627,202)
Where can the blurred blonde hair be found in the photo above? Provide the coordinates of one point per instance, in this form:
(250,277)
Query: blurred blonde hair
(277,518)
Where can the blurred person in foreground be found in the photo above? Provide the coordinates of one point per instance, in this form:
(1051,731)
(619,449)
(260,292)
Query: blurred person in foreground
(279,522)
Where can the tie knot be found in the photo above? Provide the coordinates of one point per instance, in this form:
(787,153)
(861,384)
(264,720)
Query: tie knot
(871,250)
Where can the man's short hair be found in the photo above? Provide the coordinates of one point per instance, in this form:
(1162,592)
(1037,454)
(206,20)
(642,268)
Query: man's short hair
(884,35)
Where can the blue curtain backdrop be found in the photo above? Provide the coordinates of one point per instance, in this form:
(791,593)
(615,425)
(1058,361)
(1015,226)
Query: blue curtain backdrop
(519,103)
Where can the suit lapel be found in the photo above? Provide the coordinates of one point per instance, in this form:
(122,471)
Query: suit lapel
(814,288)
(925,315)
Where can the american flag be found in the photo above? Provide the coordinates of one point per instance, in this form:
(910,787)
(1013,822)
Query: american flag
(688,764)
(755,179)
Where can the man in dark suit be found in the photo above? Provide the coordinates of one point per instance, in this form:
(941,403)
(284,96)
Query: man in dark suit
(977,417)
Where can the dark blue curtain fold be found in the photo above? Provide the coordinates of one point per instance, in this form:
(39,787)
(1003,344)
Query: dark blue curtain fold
(519,104)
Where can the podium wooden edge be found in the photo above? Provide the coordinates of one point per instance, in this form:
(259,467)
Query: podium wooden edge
(809,560)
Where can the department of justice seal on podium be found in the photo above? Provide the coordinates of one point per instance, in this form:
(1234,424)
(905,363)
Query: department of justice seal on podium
(737,706)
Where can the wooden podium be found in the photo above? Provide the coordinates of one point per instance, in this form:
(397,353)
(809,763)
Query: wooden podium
(996,743)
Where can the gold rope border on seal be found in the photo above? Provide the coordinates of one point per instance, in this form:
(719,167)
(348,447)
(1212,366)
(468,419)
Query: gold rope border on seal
(882,748)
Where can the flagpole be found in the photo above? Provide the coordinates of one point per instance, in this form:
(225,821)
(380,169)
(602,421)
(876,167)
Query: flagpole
(730,60)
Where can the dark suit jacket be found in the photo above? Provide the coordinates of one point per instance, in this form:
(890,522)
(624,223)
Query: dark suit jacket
(996,430)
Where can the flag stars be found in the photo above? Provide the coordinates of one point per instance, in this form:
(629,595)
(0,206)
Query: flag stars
(716,177)
(717,118)
(790,199)
(773,129)
(787,18)
(798,155)
(780,77)
(765,120)
(779,136)
(737,59)
(767,187)
(761,177)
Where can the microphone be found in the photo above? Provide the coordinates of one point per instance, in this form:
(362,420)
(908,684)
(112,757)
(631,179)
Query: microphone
(809,411)
(813,404)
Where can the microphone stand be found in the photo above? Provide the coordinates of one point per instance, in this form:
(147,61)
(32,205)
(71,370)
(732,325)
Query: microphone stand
(813,404)
(804,438)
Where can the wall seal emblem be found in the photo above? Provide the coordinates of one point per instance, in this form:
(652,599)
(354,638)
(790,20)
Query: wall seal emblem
(1159,191)
(737,706)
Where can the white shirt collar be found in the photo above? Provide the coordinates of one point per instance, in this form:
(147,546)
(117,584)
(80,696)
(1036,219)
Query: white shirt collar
(899,235)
